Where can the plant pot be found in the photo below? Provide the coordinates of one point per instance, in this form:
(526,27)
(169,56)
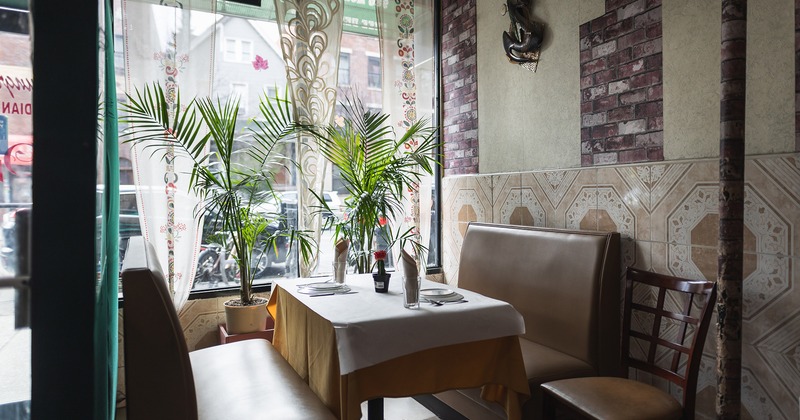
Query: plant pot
(246,319)
(381,282)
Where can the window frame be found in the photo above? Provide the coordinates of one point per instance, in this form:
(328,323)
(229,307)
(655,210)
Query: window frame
(343,54)
(244,96)
(237,55)
(371,65)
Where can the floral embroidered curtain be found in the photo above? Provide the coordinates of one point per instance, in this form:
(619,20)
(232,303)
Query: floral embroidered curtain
(160,46)
(311,32)
(408,68)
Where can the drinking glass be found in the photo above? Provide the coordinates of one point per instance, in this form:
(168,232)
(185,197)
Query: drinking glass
(411,292)
(339,270)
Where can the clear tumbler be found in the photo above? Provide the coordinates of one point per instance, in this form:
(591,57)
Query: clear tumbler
(411,292)
(339,271)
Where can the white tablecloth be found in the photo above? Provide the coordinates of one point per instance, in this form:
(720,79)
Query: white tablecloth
(375,327)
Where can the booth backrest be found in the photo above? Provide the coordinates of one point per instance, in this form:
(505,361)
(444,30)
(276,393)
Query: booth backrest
(565,283)
(158,373)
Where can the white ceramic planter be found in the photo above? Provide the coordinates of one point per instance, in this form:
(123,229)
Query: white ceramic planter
(246,319)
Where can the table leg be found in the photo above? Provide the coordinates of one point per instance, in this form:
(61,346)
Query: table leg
(375,409)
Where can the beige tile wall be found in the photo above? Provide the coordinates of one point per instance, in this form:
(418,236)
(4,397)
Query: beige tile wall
(667,214)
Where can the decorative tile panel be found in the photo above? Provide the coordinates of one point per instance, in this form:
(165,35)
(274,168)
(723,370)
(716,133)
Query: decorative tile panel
(679,202)
(603,209)
(780,349)
(516,204)
(555,184)
(650,183)
(465,199)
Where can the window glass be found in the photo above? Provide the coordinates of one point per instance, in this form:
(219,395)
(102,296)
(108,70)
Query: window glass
(230,49)
(246,51)
(16,135)
(248,63)
(374,72)
(239,90)
(16,158)
(344,69)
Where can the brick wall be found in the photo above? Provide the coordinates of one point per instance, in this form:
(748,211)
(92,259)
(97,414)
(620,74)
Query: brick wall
(621,84)
(460,80)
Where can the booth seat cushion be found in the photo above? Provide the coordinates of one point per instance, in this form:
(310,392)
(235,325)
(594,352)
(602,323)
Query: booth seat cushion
(543,364)
(600,399)
(250,378)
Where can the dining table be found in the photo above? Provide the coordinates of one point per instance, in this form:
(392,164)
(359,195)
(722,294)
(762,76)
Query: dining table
(363,346)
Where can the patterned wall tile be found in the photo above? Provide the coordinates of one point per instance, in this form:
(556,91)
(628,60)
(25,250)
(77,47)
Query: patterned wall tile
(579,206)
(448,186)
(643,258)
(555,184)
(200,319)
(517,203)
(777,359)
(450,253)
(672,188)
(466,199)
(506,198)
(757,401)
(548,190)
(633,196)
(775,182)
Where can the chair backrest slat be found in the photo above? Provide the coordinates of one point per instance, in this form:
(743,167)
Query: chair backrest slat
(651,354)
(684,295)
(662,342)
(660,372)
(665,314)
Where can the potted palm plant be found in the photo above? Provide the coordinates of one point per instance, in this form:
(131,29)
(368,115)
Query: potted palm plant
(376,167)
(232,175)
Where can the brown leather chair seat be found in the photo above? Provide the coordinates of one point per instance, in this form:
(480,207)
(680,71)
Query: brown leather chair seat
(600,398)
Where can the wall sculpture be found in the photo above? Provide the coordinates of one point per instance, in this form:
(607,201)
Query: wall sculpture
(523,40)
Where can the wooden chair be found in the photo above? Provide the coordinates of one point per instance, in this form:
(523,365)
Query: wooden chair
(663,344)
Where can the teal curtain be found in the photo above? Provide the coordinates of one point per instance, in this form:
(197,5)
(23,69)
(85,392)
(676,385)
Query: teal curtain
(106,310)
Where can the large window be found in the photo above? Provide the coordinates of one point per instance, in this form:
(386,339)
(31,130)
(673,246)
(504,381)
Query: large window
(247,62)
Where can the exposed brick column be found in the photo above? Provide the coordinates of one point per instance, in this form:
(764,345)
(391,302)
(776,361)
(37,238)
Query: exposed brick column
(622,119)
(730,276)
(460,80)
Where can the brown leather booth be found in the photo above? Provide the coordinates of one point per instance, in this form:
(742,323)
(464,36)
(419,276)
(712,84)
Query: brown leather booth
(567,286)
(163,380)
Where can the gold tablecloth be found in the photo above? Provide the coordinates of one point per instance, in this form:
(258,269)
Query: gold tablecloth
(308,342)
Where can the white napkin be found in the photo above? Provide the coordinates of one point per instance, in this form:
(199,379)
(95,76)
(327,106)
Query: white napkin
(409,265)
(340,251)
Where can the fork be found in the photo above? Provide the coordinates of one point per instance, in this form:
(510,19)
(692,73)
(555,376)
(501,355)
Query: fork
(442,302)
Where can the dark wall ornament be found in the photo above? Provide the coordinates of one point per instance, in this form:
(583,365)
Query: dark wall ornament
(523,40)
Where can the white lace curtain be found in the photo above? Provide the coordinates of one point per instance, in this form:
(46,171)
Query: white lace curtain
(408,66)
(161,48)
(311,32)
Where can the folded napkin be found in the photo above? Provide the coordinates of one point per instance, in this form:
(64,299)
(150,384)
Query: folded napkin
(409,265)
(340,251)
